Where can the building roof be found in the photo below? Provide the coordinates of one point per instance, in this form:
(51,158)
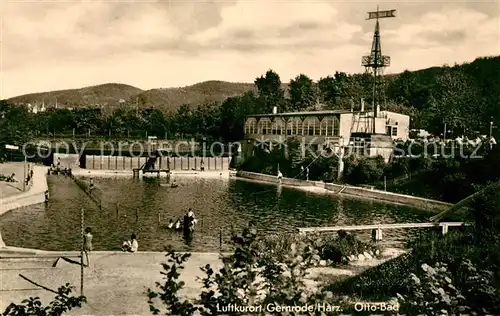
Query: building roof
(302,113)
(326,112)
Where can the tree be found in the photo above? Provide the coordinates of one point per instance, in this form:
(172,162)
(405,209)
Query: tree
(16,126)
(303,93)
(328,91)
(88,119)
(454,101)
(270,91)
(233,114)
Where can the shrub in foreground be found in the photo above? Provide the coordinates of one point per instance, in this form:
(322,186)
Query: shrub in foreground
(62,303)
(435,292)
(248,278)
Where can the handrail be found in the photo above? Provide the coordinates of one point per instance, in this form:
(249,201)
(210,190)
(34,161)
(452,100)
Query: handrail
(380,226)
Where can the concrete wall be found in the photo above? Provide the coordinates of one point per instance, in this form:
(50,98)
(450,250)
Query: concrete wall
(403,124)
(383,196)
(67,160)
(172,163)
(345,125)
(390,197)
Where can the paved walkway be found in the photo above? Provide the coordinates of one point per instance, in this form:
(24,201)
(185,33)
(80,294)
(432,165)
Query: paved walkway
(8,189)
(116,282)
(35,193)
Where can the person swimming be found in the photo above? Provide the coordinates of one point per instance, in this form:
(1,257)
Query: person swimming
(192,218)
(177,224)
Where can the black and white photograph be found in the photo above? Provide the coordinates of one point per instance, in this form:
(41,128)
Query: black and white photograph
(249,157)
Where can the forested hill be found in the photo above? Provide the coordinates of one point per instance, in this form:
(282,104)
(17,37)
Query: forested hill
(113,95)
(465,97)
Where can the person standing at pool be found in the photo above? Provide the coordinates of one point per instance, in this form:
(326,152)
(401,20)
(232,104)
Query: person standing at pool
(87,243)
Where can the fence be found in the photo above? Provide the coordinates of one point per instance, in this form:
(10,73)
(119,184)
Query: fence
(168,163)
(377,229)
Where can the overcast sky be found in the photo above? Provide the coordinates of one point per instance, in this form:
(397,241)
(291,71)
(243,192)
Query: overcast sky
(51,45)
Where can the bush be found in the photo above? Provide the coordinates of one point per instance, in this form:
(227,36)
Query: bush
(345,245)
(61,304)
(327,246)
(434,292)
(381,282)
(247,278)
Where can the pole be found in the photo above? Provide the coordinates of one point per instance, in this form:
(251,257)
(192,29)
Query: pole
(444,132)
(220,240)
(81,251)
(491,128)
(24,177)
(374,105)
(385,183)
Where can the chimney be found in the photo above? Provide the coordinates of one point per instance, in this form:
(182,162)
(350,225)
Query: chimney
(362,104)
(275,110)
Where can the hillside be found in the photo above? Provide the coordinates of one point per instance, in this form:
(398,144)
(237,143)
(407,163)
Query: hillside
(105,94)
(109,95)
(169,99)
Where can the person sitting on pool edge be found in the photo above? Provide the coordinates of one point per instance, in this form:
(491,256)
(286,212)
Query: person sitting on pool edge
(132,245)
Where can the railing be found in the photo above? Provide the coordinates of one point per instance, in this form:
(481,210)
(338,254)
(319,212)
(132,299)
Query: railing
(377,229)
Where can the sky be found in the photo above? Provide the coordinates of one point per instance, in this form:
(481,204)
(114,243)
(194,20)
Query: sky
(52,45)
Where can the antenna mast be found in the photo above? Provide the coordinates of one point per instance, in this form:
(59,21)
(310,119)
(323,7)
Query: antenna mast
(376,62)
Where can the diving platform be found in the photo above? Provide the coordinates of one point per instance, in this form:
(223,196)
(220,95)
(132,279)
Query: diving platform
(137,171)
(150,167)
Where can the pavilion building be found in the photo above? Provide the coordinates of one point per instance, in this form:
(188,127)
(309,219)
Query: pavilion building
(357,132)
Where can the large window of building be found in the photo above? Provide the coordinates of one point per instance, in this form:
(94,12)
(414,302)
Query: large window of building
(296,126)
(277,126)
(330,126)
(264,126)
(290,127)
(336,127)
(251,126)
(312,126)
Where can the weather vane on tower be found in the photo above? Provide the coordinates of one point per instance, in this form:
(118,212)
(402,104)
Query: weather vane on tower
(376,62)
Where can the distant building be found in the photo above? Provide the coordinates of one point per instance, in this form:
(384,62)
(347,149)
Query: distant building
(322,129)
